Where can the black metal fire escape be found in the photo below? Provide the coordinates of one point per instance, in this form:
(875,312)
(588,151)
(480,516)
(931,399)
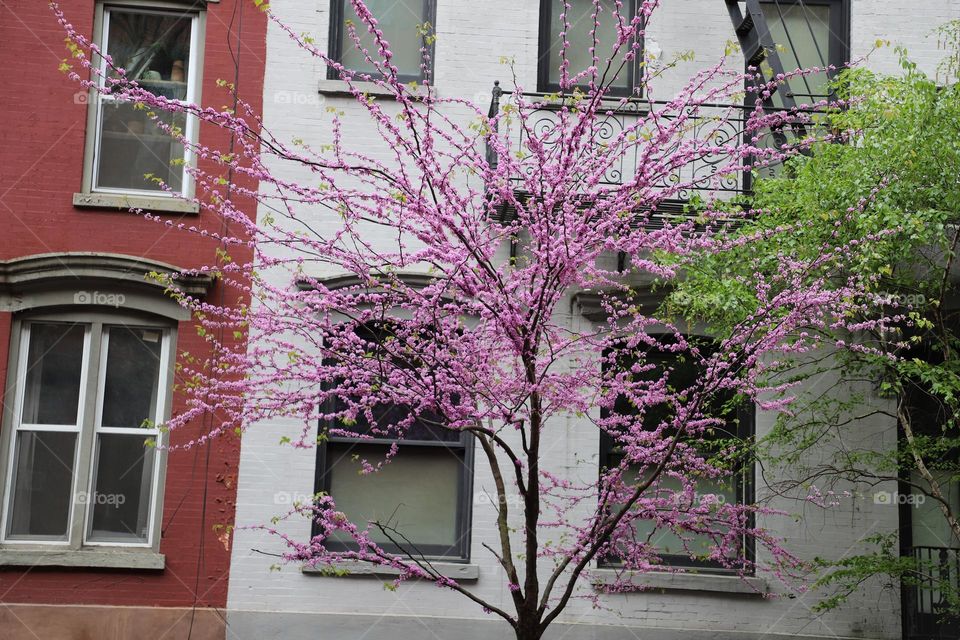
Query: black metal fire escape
(762,53)
(758,46)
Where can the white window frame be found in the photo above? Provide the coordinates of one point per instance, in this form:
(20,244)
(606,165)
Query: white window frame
(19,426)
(97,100)
(88,427)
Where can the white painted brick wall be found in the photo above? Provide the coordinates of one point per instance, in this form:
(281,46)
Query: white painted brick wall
(472,38)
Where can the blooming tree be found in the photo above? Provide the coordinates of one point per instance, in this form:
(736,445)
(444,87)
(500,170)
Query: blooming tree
(503,216)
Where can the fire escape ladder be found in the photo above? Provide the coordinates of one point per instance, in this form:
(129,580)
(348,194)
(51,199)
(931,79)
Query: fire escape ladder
(760,51)
(758,46)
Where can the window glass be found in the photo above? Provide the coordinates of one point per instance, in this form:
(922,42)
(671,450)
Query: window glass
(43,468)
(804,33)
(426,428)
(580,39)
(664,539)
(121,497)
(400,21)
(416,493)
(419,491)
(133,146)
(930,419)
(134,151)
(132,377)
(152,48)
(801,31)
(929,527)
(54,365)
(386,353)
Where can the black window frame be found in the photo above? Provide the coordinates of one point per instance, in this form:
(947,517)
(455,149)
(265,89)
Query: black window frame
(546,41)
(744,476)
(462,448)
(838,51)
(915,622)
(338,32)
(838,54)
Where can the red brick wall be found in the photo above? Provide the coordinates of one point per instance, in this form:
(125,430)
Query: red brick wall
(41,162)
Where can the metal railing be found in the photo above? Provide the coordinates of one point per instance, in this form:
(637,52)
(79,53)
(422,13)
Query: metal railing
(928,612)
(721,125)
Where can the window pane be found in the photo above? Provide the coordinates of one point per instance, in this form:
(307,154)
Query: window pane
(580,39)
(416,493)
(929,527)
(801,32)
(132,146)
(52,381)
(42,484)
(152,48)
(685,373)
(121,496)
(379,338)
(664,539)
(132,377)
(399,20)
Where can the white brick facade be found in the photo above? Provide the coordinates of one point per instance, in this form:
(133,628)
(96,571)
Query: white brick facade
(472,38)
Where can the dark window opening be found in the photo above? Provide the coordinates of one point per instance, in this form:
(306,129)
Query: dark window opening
(738,425)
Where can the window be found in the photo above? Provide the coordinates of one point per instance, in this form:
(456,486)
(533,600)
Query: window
(129,152)
(807,34)
(579,36)
(421,494)
(925,533)
(737,488)
(406,25)
(88,397)
(929,527)
(930,419)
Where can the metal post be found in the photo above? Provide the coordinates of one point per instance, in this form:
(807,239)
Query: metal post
(492,114)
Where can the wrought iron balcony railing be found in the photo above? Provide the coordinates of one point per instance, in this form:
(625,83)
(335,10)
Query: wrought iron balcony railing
(709,172)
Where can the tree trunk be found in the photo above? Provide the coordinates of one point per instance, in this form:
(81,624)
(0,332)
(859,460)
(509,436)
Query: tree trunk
(528,628)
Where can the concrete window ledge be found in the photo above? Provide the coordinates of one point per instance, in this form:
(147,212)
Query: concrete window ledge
(338,88)
(661,581)
(453,570)
(122,202)
(91,558)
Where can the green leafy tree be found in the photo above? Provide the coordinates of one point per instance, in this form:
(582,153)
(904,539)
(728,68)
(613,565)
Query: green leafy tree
(901,143)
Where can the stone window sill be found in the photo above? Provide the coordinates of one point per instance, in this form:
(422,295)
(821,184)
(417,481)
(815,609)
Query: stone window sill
(662,581)
(452,570)
(338,88)
(98,558)
(122,202)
